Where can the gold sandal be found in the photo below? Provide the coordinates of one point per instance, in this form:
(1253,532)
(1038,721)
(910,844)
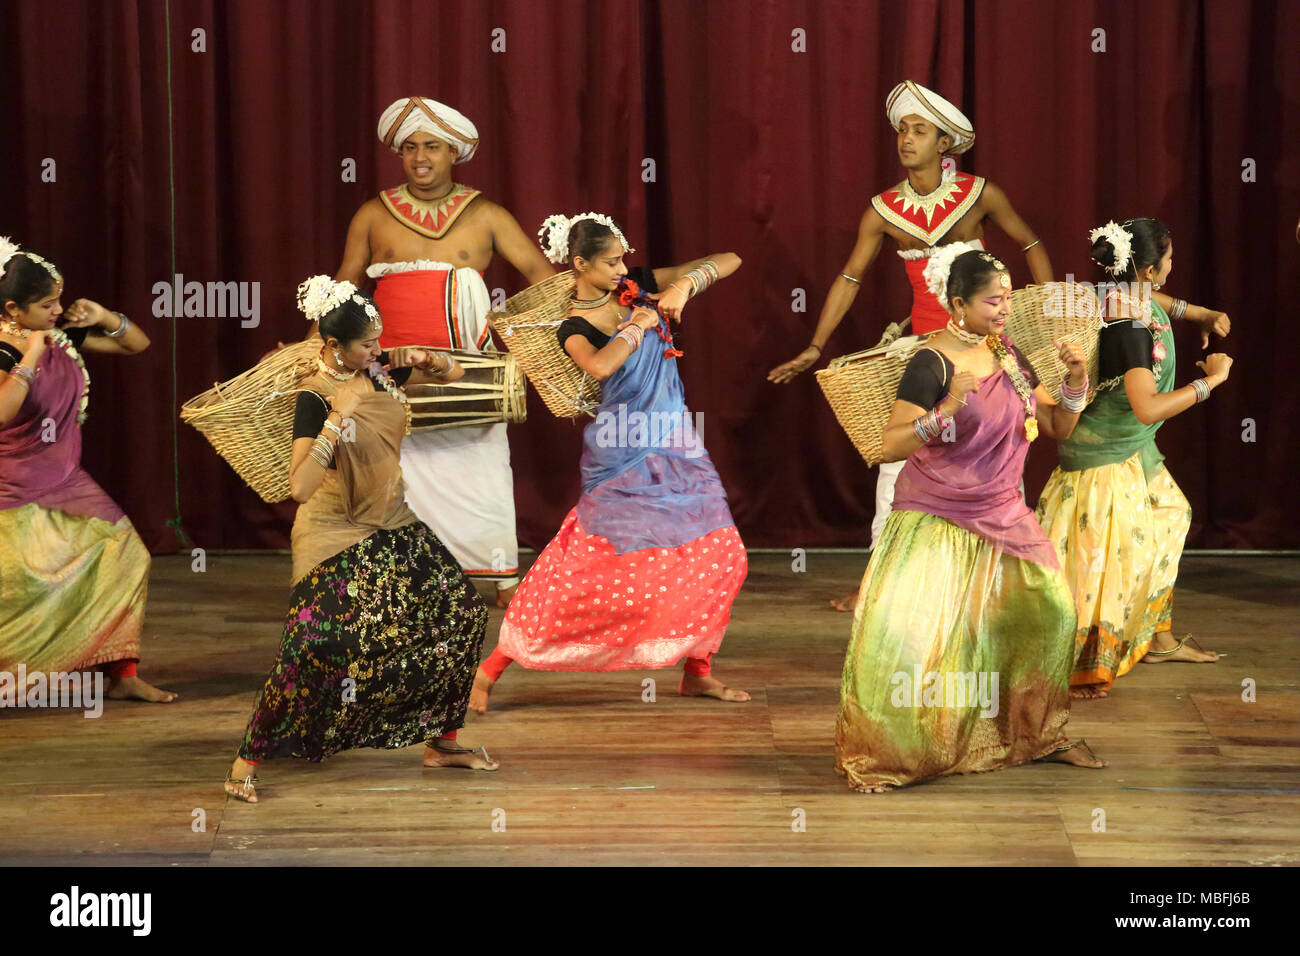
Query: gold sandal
(1196,645)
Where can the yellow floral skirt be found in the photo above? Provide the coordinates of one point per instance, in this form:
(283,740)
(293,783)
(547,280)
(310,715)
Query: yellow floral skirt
(1119,536)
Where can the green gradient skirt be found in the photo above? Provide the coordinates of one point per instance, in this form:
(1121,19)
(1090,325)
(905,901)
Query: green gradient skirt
(959,661)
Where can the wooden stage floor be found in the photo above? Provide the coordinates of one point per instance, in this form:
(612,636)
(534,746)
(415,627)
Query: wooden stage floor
(591,774)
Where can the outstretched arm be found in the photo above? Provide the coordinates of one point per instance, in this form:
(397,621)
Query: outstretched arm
(1000,211)
(509,241)
(676,285)
(1208,319)
(871,230)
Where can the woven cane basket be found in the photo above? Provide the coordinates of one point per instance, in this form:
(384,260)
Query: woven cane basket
(527,326)
(1065,311)
(249,419)
(861,388)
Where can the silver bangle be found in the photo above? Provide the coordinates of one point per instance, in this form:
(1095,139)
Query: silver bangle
(1179,309)
(121,329)
(1031,245)
(1202,389)
(334,428)
(23,374)
(845,275)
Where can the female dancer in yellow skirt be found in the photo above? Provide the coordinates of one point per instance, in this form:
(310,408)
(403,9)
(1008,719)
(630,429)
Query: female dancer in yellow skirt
(73,571)
(963,639)
(1114,514)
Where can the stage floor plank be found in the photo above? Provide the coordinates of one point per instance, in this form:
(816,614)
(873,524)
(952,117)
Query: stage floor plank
(592,774)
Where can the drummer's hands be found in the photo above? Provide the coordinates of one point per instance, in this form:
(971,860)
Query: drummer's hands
(787,371)
(1074,360)
(408,356)
(671,302)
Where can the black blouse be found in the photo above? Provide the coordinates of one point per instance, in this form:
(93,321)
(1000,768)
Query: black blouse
(577,325)
(11,356)
(926,378)
(1124,345)
(311,411)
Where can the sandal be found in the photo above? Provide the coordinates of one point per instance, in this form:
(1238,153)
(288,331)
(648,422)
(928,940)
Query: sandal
(1078,743)
(1196,646)
(464,750)
(242,789)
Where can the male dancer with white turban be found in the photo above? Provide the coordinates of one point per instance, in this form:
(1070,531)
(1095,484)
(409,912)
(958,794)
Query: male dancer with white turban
(933,206)
(427,242)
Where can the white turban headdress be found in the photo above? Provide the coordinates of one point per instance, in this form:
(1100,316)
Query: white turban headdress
(908,98)
(420,114)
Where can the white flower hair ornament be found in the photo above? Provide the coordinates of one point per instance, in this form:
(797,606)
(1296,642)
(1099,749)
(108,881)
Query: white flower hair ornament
(320,295)
(940,264)
(9,249)
(554,234)
(1119,240)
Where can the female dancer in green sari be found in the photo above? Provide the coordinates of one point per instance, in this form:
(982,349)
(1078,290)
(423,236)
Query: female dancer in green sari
(1112,509)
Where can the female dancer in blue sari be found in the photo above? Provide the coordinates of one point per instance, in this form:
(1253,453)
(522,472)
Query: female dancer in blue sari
(644,570)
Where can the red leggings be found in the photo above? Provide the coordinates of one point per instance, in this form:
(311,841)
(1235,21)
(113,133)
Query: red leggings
(497,663)
(116,670)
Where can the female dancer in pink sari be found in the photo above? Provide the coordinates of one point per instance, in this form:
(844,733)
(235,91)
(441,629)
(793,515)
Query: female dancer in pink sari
(73,572)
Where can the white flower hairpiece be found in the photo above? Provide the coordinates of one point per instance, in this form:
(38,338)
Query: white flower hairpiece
(320,295)
(1120,241)
(554,234)
(940,264)
(9,249)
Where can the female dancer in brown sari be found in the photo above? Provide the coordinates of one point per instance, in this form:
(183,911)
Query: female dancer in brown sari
(384,629)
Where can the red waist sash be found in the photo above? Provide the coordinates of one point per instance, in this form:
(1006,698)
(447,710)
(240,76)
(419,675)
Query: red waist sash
(418,308)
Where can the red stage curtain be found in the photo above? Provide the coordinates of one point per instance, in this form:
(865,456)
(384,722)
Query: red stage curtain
(758,149)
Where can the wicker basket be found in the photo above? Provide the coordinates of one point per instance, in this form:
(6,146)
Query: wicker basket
(527,325)
(249,419)
(861,387)
(1065,311)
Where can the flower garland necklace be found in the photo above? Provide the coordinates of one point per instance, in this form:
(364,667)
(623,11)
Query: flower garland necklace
(59,338)
(1007,361)
(630,294)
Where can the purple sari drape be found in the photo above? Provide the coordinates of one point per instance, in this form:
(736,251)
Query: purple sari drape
(647,481)
(40,447)
(974,481)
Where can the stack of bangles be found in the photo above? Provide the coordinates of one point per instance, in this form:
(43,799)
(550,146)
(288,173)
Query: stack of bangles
(930,425)
(23,374)
(1073,400)
(1202,389)
(441,369)
(632,336)
(322,452)
(1179,309)
(701,277)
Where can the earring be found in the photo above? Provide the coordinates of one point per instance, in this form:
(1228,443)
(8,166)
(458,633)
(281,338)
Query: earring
(338,359)
(961,320)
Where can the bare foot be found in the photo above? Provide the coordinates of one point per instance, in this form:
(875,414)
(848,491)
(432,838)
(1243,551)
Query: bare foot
(239,782)
(1087,692)
(876,788)
(1165,648)
(452,756)
(481,691)
(505,594)
(1078,754)
(847,603)
(693,686)
(133,688)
